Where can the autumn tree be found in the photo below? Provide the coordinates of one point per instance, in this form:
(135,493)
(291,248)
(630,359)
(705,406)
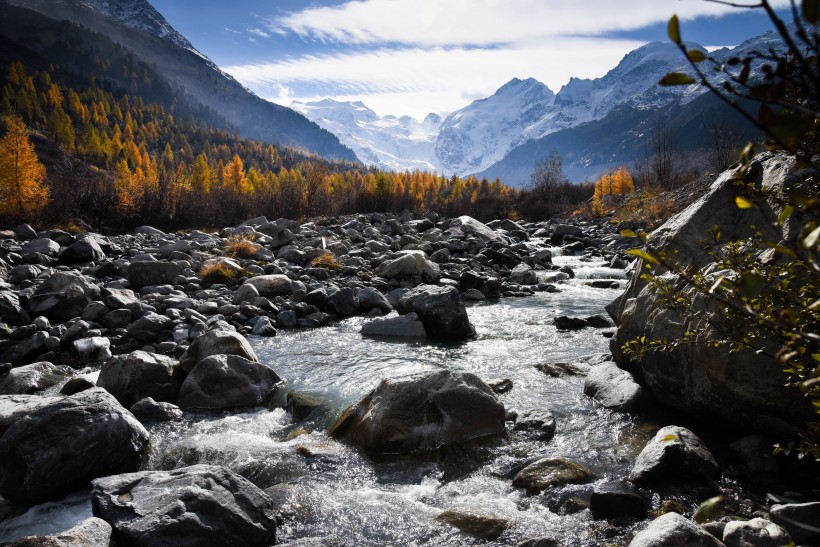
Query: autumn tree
(22,193)
(611,183)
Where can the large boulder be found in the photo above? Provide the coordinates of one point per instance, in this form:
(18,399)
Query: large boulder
(227,381)
(615,388)
(10,309)
(745,389)
(673,529)
(408,325)
(85,250)
(64,445)
(148,327)
(272,285)
(549,473)
(195,506)
(757,531)
(15,407)
(34,377)
(411,265)
(140,374)
(471,227)
(799,519)
(92,532)
(421,413)
(216,342)
(674,453)
(440,309)
(145,273)
(63,296)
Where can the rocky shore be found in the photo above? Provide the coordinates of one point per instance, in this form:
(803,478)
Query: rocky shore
(104,335)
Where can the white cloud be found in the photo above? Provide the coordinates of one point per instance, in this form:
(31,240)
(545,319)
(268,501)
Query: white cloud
(259,32)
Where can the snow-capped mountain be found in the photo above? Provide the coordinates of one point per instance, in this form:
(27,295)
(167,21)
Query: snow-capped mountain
(140,16)
(388,142)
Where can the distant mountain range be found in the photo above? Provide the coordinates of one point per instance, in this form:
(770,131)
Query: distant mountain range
(80,34)
(595,124)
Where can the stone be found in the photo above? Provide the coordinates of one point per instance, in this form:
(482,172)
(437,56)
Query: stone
(149,410)
(413,264)
(93,349)
(287,319)
(26,350)
(63,296)
(62,446)
(523,275)
(301,404)
(44,246)
(422,412)
(675,453)
(92,532)
(673,529)
(118,298)
(479,526)
(569,323)
(469,226)
(216,342)
(402,325)
(76,385)
(615,500)
(147,231)
(10,309)
(145,274)
(756,532)
(264,327)
(14,407)
(615,388)
(227,381)
(440,309)
(33,378)
(245,293)
(140,374)
(370,299)
(755,454)
(25,232)
(272,285)
(540,422)
(343,303)
(187,507)
(723,387)
(799,519)
(549,472)
(84,250)
(148,327)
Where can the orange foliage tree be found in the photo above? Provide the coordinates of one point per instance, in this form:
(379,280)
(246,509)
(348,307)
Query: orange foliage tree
(612,183)
(22,193)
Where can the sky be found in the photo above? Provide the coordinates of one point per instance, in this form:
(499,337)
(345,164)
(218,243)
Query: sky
(412,57)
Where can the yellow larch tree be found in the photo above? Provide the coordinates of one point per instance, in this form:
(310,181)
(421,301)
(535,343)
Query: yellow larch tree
(22,193)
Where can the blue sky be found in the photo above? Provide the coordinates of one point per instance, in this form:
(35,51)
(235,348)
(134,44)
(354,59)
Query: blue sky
(418,56)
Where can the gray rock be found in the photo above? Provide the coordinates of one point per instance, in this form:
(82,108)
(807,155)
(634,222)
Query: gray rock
(216,342)
(144,274)
(195,506)
(33,378)
(149,410)
(422,412)
(147,231)
(14,407)
(245,293)
(344,303)
(413,265)
(287,319)
(615,388)
(25,232)
(715,384)
(674,453)
(264,327)
(470,226)
(523,275)
(538,421)
(10,309)
(272,285)
(84,250)
(440,310)
(60,447)
(479,526)
(402,325)
(799,519)
(76,385)
(673,529)
(615,500)
(301,404)
(63,296)
(755,453)
(227,381)
(92,532)
(118,298)
(140,374)
(757,532)
(562,230)
(569,323)
(550,472)
(43,246)
(148,327)
(369,299)
(91,350)
(26,350)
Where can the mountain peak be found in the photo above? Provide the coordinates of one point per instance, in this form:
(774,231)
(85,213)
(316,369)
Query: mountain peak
(140,15)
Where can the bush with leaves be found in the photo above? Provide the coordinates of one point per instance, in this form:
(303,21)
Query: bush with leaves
(765,289)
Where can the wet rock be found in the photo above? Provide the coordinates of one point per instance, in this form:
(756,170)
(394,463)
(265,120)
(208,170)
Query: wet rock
(14,407)
(755,454)
(145,274)
(63,296)
(757,532)
(301,404)
(26,350)
(264,327)
(569,323)
(412,264)
(33,378)
(502,385)
(91,350)
(343,303)
(549,472)
(76,385)
(674,453)
(216,342)
(140,374)
(287,319)
(370,299)
(422,412)
(10,309)
(440,309)
(673,529)
(540,422)
(227,381)
(192,506)
(149,410)
(523,275)
(598,322)
(272,285)
(92,532)
(799,519)
(403,325)
(615,388)
(539,542)
(60,447)
(479,526)
(615,500)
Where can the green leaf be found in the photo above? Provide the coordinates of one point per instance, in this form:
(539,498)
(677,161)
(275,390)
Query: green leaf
(811,10)
(677,78)
(696,55)
(644,255)
(708,510)
(787,212)
(628,233)
(743,203)
(811,240)
(673,29)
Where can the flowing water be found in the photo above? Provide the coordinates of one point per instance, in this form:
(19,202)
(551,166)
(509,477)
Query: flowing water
(329,488)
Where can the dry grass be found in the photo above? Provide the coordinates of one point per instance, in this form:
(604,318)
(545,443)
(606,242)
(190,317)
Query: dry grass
(241,246)
(328,261)
(219,272)
(648,207)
